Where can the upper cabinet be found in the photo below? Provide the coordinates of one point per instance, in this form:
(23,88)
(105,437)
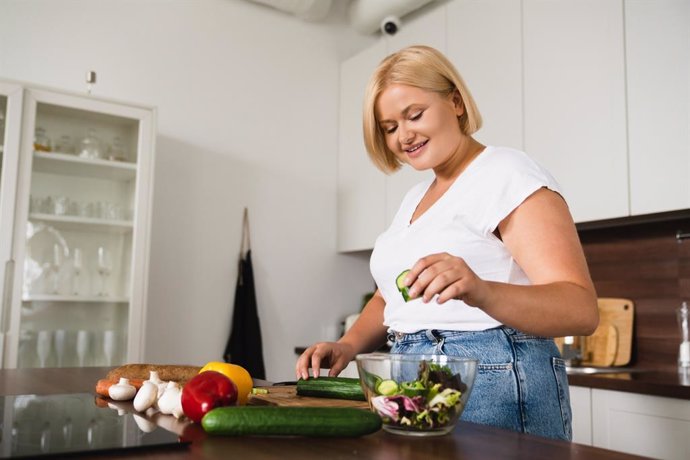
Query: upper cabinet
(595,90)
(361,187)
(657,48)
(574,101)
(426,29)
(367,198)
(484,43)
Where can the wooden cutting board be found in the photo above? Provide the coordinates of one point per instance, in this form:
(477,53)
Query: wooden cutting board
(618,313)
(287,396)
(601,348)
(611,342)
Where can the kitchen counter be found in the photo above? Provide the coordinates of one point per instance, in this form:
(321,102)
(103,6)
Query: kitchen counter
(468,441)
(660,382)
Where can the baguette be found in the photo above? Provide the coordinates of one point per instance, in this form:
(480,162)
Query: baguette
(167,372)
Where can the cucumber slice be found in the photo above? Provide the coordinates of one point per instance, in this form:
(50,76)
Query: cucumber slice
(400,284)
(387,388)
(412,389)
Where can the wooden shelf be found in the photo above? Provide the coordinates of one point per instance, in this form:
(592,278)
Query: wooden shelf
(71,165)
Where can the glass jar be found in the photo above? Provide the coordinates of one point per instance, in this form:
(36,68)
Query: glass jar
(90,146)
(117,150)
(64,144)
(42,141)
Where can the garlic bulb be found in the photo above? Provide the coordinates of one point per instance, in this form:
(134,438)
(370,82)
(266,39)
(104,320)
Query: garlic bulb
(171,401)
(146,396)
(155,379)
(122,390)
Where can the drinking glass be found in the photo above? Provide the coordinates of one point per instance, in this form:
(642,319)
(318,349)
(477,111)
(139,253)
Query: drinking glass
(43,340)
(109,346)
(82,346)
(77,266)
(45,437)
(62,204)
(105,265)
(60,339)
(55,267)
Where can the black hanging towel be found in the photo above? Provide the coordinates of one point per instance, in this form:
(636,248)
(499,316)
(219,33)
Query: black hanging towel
(244,345)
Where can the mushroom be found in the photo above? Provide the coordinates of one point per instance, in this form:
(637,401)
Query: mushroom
(122,390)
(146,396)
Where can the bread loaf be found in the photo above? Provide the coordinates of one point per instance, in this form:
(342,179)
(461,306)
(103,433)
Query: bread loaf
(167,372)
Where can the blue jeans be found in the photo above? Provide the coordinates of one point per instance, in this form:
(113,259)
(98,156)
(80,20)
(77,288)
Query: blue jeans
(521,383)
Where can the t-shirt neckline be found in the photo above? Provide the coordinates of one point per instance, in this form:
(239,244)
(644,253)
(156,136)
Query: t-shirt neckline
(470,167)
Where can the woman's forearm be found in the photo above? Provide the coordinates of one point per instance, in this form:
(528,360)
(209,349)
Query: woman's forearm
(551,310)
(367,333)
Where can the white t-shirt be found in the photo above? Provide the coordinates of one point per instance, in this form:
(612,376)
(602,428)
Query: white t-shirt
(461,223)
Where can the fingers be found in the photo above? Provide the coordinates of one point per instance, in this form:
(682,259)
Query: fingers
(302,365)
(431,274)
(442,274)
(314,357)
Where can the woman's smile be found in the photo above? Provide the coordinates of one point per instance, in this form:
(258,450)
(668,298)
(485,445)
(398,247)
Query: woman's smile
(416,150)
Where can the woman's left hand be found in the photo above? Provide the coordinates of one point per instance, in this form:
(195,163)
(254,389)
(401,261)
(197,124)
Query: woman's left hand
(448,276)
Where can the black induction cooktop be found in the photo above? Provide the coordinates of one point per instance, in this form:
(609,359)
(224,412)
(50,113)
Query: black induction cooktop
(63,424)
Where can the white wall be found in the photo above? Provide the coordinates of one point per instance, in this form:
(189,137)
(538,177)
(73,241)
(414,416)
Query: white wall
(245,118)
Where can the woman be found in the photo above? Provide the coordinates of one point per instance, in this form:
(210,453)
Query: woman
(496,266)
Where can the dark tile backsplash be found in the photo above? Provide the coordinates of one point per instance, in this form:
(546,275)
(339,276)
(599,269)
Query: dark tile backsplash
(644,262)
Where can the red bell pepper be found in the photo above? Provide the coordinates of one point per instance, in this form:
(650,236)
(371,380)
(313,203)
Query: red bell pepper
(205,391)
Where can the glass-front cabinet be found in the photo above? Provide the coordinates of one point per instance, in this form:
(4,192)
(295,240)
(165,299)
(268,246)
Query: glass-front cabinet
(80,248)
(11,95)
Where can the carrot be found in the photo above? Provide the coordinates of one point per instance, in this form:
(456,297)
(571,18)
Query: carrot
(103,385)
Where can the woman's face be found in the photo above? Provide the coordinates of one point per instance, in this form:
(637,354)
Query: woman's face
(420,127)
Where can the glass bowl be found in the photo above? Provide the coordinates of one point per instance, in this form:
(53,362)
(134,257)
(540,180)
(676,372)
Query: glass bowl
(417,395)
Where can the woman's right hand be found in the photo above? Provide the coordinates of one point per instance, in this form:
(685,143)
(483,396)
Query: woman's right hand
(333,355)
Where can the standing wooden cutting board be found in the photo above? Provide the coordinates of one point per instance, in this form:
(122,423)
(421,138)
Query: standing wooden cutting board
(618,313)
(287,396)
(611,342)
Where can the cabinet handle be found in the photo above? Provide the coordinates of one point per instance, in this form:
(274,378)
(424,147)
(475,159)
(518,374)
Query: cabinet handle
(681,235)
(6,294)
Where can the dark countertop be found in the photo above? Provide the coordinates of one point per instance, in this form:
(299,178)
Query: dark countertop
(659,382)
(468,440)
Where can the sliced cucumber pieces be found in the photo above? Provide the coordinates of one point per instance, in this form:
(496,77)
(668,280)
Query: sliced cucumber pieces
(387,387)
(400,284)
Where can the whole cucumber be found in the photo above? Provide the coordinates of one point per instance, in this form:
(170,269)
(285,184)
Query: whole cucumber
(290,421)
(331,387)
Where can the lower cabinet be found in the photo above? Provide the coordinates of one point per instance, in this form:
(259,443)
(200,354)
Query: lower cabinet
(651,426)
(581,403)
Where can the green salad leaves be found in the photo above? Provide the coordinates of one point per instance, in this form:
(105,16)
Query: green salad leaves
(432,401)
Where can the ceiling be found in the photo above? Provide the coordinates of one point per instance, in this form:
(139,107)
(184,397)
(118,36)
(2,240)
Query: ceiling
(365,16)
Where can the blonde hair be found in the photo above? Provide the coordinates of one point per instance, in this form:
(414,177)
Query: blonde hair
(422,67)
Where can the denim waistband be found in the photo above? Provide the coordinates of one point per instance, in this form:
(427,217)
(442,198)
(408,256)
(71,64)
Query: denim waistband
(438,334)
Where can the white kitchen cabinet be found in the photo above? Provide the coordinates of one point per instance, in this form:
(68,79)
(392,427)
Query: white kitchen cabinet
(80,234)
(581,405)
(361,186)
(638,424)
(574,101)
(657,35)
(367,198)
(427,28)
(485,44)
